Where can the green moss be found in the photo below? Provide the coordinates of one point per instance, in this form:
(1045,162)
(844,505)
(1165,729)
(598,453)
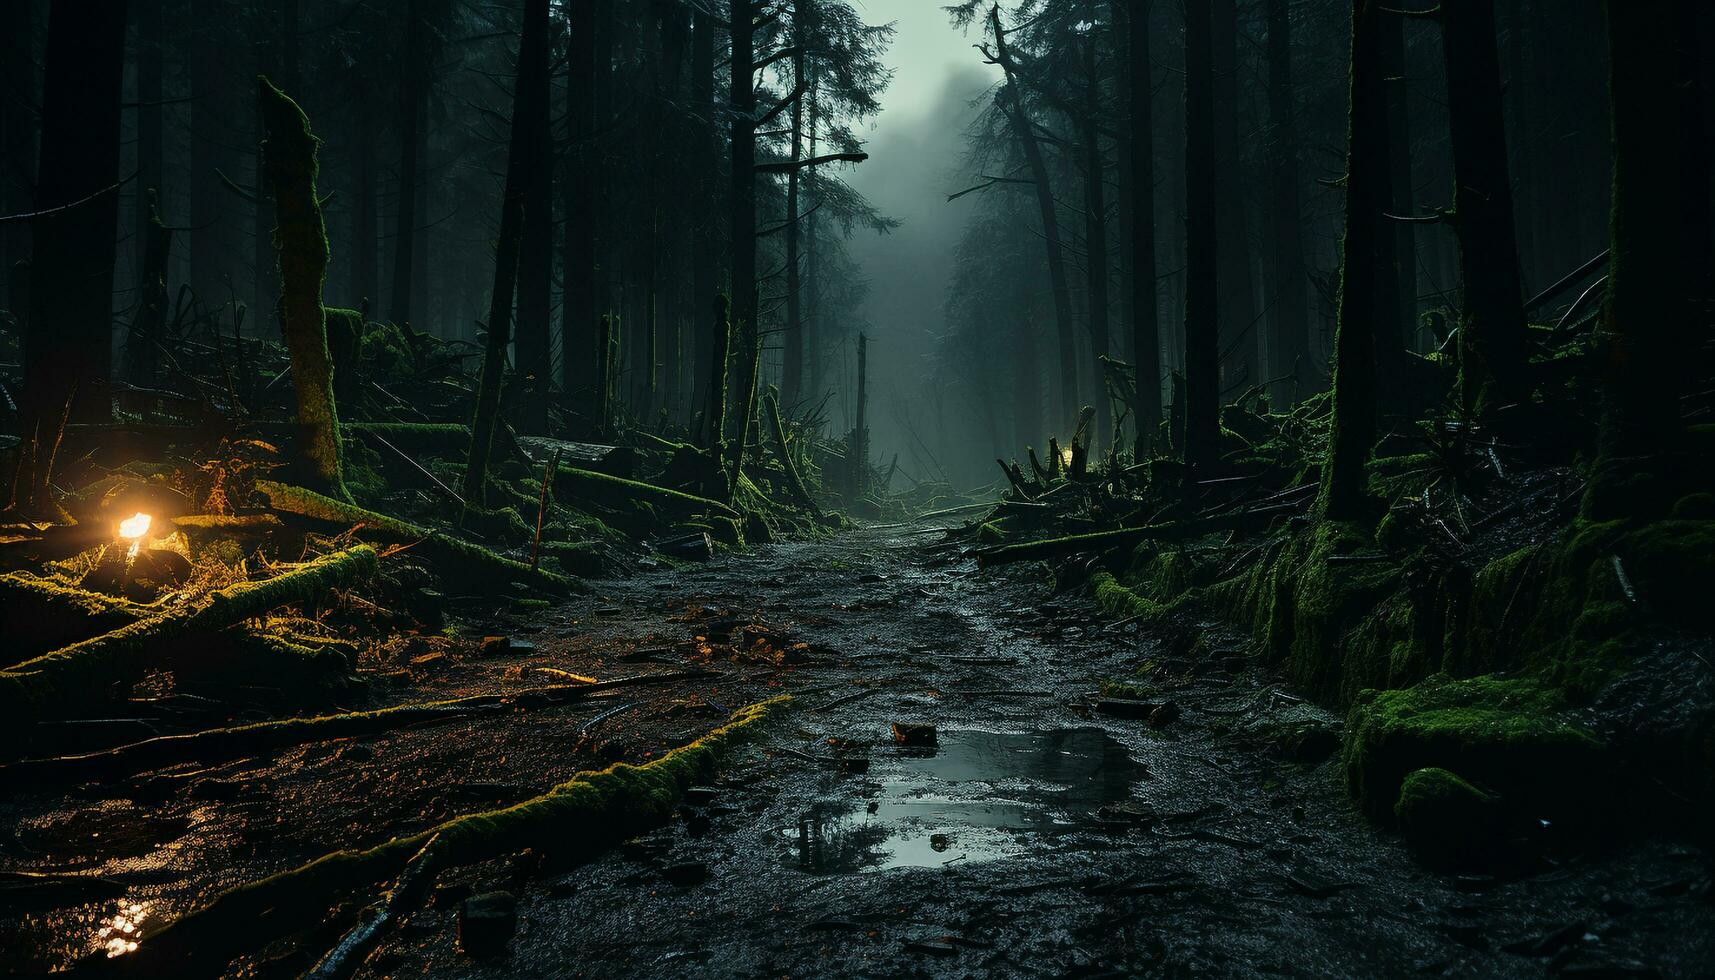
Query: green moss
(1512,734)
(1118,601)
(991,533)
(1448,822)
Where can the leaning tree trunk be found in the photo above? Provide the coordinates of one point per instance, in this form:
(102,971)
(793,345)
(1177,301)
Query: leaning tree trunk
(1145,324)
(1648,338)
(69,330)
(743,221)
(532,68)
(1352,430)
(289,163)
(1202,330)
(1291,340)
(1491,329)
(1011,101)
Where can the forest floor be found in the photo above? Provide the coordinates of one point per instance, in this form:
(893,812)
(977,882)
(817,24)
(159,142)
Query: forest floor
(1037,836)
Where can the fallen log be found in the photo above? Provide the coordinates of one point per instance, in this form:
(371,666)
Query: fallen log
(474,565)
(259,738)
(605,489)
(1078,544)
(571,823)
(82,673)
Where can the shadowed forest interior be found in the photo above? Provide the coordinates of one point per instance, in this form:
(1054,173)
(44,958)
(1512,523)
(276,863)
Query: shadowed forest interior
(1175,463)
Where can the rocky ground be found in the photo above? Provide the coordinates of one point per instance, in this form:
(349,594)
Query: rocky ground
(1046,830)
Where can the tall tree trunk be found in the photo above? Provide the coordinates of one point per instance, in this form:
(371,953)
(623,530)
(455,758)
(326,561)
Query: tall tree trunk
(1202,332)
(142,352)
(536,256)
(364,263)
(289,164)
(1399,173)
(151,41)
(743,221)
(18,125)
(704,164)
(1647,336)
(1522,143)
(579,354)
(69,333)
(1291,342)
(1145,324)
(1352,432)
(1237,313)
(1096,238)
(409,119)
(1491,329)
(215,103)
(529,87)
(792,374)
(1011,100)
(815,349)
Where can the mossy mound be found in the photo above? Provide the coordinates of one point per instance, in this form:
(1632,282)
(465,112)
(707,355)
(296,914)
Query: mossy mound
(1448,822)
(1511,735)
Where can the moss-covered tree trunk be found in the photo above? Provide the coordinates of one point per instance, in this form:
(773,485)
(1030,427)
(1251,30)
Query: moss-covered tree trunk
(69,330)
(1352,431)
(289,165)
(714,419)
(1491,329)
(1145,314)
(1647,337)
(1202,329)
(532,68)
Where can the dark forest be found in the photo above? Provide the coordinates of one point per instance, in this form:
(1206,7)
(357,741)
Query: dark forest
(670,488)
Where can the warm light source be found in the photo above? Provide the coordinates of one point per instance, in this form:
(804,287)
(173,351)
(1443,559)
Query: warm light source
(1066,457)
(133,528)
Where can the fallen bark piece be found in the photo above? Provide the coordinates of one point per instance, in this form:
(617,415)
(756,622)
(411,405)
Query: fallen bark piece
(473,565)
(82,673)
(914,734)
(572,822)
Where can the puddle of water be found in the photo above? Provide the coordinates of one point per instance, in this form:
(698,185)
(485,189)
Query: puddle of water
(977,796)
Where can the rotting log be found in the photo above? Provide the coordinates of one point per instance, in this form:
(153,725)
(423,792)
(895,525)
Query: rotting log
(771,407)
(472,564)
(602,488)
(573,822)
(82,673)
(1077,544)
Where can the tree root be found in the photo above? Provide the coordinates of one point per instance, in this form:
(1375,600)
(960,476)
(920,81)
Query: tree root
(570,823)
(82,673)
(472,565)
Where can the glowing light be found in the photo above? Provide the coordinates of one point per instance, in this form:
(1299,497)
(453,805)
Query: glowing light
(119,934)
(1066,457)
(132,529)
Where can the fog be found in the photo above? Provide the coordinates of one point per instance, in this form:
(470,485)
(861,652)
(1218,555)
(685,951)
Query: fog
(915,147)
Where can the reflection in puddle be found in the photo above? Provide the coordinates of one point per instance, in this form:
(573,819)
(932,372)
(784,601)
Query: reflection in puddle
(968,800)
(121,931)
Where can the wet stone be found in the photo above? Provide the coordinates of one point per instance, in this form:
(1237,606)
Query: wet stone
(487,922)
(913,734)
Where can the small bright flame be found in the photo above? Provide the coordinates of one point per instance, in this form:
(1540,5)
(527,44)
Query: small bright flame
(135,526)
(1066,457)
(132,529)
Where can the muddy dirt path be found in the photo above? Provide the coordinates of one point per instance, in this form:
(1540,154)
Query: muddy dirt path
(1034,837)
